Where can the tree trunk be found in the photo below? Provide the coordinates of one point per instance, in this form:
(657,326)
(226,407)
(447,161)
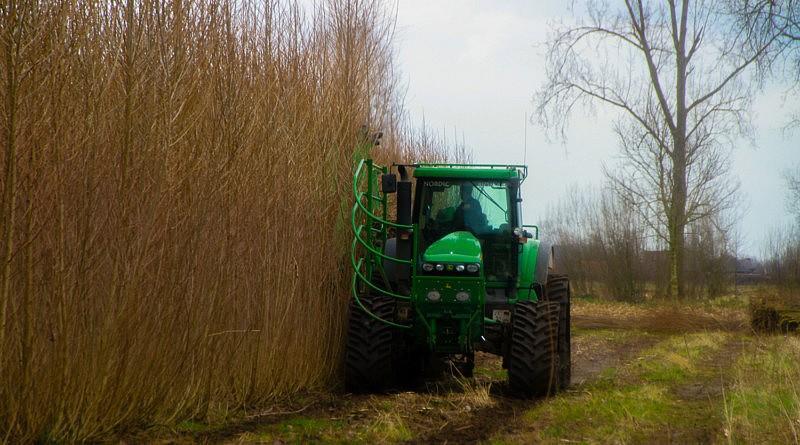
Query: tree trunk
(679,157)
(677,217)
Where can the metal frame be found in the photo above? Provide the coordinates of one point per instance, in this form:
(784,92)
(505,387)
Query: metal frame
(372,255)
(523,169)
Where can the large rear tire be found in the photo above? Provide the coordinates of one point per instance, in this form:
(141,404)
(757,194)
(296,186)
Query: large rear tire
(533,354)
(557,291)
(368,353)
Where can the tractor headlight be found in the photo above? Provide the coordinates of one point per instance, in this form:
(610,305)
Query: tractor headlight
(434,295)
(440,267)
(460,268)
(472,268)
(462,296)
(427,267)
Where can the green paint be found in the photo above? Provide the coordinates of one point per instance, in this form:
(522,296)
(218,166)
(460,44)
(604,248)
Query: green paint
(527,269)
(447,325)
(457,247)
(472,171)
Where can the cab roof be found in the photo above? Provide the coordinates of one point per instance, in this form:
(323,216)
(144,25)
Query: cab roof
(471,171)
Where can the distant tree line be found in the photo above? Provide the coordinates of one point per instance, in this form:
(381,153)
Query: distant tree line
(782,247)
(607,248)
(602,242)
(782,256)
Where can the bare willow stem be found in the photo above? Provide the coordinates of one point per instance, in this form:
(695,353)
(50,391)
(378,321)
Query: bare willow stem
(174,194)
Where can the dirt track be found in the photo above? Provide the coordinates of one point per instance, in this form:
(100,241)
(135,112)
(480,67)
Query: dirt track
(606,348)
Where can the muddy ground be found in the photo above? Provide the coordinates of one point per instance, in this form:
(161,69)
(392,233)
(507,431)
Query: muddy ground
(616,350)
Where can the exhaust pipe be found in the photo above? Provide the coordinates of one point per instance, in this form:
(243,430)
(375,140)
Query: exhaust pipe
(404,246)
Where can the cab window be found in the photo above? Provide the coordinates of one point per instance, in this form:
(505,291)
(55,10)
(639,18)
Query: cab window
(481,207)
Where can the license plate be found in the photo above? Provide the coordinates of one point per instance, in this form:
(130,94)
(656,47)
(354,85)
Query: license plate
(501,315)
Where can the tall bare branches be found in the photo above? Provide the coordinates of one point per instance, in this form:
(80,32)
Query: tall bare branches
(676,73)
(792,178)
(760,20)
(174,176)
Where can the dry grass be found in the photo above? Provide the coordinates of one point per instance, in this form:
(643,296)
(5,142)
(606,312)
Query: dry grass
(658,317)
(776,308)
(174,184)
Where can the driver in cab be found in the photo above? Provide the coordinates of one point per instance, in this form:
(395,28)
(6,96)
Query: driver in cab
(469,214)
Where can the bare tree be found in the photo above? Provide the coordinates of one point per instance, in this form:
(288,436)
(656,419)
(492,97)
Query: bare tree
(762,19)
(792,178)
(600,241)
(677,73)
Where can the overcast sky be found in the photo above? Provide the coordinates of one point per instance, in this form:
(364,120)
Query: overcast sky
(472,67)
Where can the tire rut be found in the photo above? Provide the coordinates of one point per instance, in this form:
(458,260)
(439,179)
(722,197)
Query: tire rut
(705,391)
(591,356)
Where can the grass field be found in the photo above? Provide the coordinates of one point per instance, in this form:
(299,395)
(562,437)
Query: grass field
(650,373)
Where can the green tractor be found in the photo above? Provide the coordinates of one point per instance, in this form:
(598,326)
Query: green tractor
(455,272)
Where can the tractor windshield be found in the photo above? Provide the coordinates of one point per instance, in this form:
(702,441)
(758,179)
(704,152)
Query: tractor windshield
(476,206)
(480,207)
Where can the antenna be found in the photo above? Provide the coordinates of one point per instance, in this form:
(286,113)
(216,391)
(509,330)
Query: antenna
(525,154)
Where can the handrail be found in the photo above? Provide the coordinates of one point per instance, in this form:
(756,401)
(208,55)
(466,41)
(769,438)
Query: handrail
(377,218)
(357,231)
(522,167)
(357,270)
(367,311)
(370,198)
(504,166)
(360,195)
(377,252)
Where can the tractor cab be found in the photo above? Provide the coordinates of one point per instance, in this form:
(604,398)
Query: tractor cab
(482,202)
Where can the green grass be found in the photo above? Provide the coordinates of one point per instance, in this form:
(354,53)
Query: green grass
(605,413)
(388,428)
(730,301)
(764,402)
(298,430)
(494,373)
(192,426)
(385,427)
(636,402)
(676,359)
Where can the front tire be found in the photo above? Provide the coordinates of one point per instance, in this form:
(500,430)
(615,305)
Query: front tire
(533,354)
(368,352)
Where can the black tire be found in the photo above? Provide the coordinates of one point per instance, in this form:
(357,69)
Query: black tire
(368,353)
(557,291)
(533,355)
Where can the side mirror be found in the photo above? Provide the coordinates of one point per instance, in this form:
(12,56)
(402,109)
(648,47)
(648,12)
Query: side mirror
(389,183)
(522,235)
